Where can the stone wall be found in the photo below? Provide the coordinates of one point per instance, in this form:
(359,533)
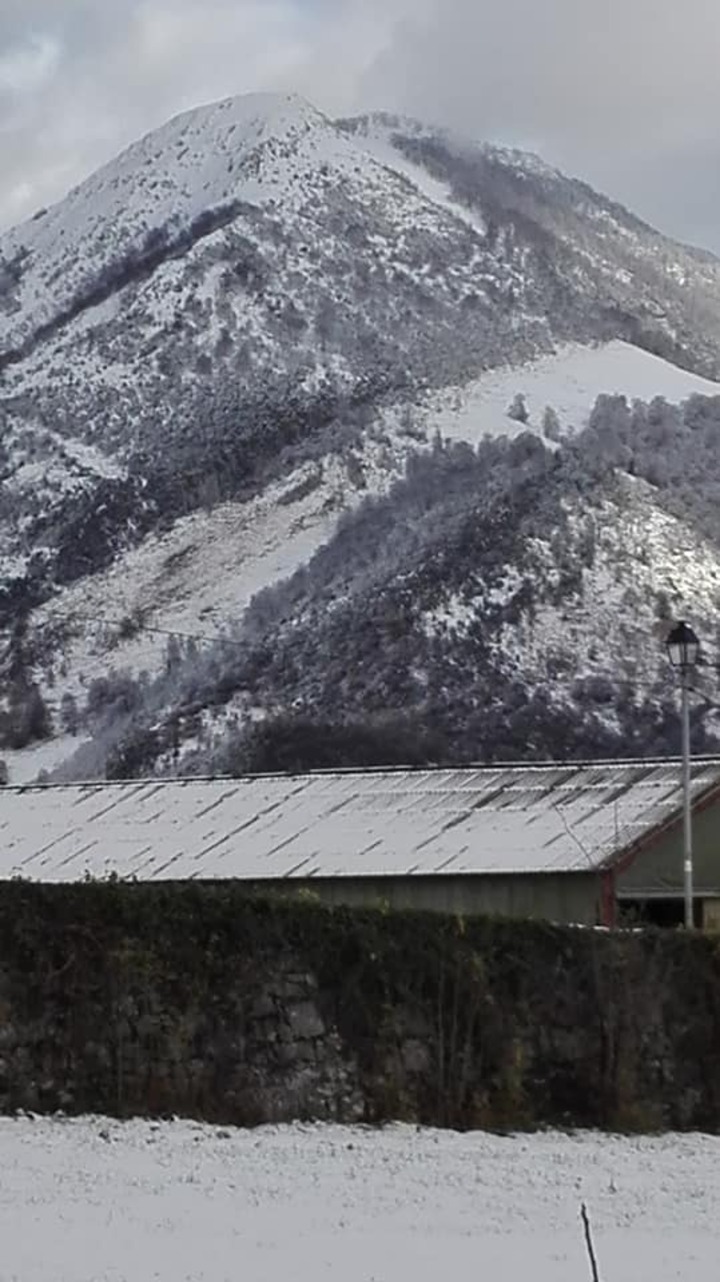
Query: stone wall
(200,1000)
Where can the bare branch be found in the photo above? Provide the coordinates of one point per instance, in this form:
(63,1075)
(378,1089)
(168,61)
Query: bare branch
(589,1243)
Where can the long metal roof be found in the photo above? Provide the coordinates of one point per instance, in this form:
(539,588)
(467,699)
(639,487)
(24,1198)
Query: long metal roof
(504,819)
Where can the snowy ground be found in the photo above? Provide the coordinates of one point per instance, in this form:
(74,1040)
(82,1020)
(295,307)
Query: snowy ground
(91,1200)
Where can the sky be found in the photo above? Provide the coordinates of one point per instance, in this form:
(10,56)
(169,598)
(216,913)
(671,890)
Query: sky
(623,93)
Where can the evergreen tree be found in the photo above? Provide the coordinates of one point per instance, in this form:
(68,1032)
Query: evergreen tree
(517,409)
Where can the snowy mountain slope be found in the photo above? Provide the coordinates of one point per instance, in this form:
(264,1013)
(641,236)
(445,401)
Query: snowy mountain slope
(611,616)
(248,320)
(552,646)
(495,603)
(260,149)
(377,134)
(657,292)
(229,287)
(251,274)
(200,575)
(186,183)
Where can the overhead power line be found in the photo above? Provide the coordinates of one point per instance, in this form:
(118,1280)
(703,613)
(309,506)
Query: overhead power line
(136,627)
(132,629)
(219,639)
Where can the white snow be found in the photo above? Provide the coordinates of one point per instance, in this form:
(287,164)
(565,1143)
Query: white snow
(197,160)
(454,613)
(640,552)
(25,764)
(94,1200)
(91,458)
(569,380)
(203,572)
(377,140)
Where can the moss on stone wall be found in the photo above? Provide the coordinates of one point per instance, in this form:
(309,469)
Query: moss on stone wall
(201,1000)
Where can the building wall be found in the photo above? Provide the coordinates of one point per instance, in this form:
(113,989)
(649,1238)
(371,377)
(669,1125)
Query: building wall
(658,870)
(558,897)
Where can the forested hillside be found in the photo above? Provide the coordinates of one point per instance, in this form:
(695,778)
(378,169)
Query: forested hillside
(503,602)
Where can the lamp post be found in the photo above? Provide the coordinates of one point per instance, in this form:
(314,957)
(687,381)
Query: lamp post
(683,648)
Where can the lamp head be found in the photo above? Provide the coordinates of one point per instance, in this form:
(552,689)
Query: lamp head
(683,646)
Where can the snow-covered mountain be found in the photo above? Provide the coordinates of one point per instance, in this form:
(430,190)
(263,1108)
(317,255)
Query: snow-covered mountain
(250,321)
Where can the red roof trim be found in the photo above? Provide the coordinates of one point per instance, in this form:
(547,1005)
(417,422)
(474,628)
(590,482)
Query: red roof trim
(624,858)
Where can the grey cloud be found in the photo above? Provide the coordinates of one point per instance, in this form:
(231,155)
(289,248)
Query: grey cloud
(121,70)
(623,93)
(618,92)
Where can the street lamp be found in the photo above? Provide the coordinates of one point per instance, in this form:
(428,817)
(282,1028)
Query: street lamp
(683,649)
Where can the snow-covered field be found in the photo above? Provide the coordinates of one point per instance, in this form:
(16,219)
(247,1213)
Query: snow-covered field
(92,1200)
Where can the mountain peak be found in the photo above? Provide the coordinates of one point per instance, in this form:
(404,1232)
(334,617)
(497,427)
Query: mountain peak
(185,147)
(256,113)
(249,149)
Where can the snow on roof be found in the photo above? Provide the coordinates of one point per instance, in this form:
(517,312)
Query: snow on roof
(374,823)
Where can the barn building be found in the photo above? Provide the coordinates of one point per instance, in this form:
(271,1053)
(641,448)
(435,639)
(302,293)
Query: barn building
(586,843)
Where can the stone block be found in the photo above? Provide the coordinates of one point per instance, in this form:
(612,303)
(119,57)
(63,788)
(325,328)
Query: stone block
(304,1020)
(415,1056)
(8,1037)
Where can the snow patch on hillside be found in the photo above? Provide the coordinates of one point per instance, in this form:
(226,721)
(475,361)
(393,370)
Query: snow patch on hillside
(376,137)
(569,380)
(204,571)
(455,614)
(25,764)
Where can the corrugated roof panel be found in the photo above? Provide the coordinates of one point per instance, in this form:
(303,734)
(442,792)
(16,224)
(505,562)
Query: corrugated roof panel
(373,823)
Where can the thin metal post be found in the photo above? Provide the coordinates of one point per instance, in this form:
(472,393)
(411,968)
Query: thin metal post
(687,809)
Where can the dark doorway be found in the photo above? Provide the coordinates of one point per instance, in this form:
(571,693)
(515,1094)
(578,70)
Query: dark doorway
(669,913)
